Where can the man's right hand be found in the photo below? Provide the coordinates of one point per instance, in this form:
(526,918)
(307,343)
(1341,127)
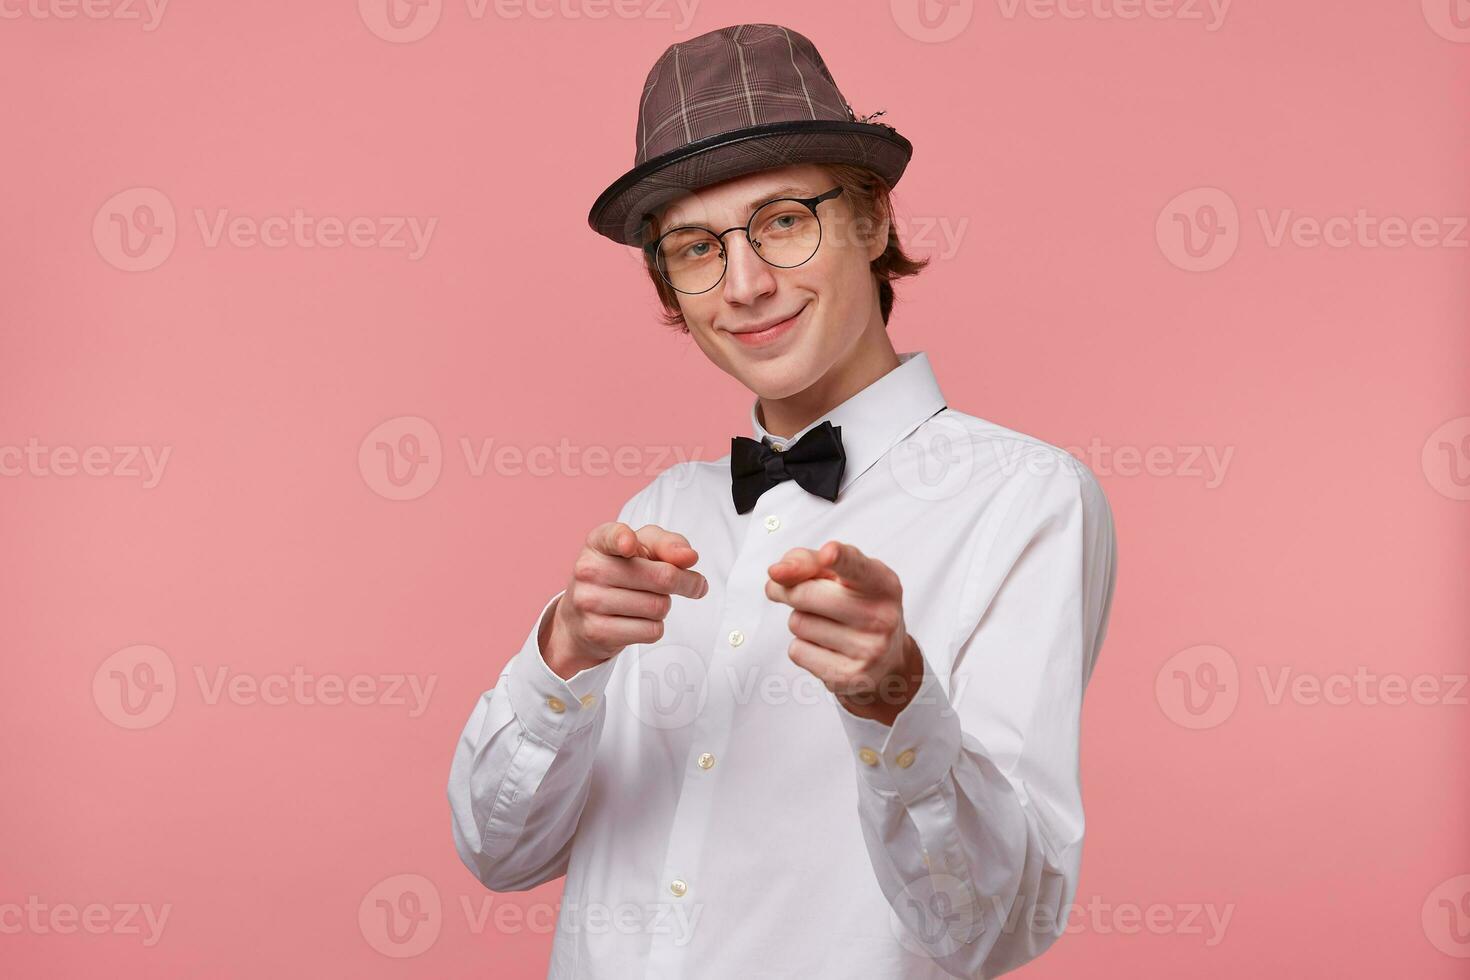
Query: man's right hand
(619,595)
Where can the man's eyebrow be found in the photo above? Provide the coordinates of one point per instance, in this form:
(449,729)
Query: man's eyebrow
(756,202)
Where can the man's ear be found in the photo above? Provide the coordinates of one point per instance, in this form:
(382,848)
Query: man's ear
(878,243)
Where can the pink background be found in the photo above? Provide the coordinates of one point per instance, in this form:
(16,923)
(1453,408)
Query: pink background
(1063,156)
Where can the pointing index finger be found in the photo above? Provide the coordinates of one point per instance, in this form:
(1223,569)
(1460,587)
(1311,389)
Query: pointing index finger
(665,545)
(798,565)
(857,571)
(615,539)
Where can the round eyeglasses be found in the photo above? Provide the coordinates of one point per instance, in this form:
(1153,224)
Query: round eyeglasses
(785,233)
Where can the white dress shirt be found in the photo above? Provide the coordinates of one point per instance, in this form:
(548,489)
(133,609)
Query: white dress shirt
(718,814)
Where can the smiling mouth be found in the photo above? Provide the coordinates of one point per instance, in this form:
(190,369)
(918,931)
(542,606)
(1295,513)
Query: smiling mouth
(757,338)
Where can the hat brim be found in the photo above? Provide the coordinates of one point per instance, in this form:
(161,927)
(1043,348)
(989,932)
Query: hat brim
(621,210)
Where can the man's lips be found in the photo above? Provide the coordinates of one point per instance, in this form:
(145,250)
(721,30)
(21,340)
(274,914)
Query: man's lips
(766,333)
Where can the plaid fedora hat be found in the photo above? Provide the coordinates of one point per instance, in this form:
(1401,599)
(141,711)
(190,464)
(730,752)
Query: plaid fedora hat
(730,102)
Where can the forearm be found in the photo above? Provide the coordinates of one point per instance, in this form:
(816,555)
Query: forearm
(522,768)
(964,857)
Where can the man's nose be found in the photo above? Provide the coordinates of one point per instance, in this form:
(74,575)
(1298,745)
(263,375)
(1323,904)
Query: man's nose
(747,275)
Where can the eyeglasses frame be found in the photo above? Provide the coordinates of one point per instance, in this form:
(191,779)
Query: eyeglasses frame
(650,251)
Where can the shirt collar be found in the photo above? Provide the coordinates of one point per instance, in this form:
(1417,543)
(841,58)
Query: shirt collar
(875,418)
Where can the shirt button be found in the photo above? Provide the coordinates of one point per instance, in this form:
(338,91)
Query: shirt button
(772,522)
(556,704)
(905,758)
(678,887)
(868,756)
(588,700)
(706,760)
(736,638)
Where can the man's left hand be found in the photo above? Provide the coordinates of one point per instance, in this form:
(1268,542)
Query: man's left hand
(848,627)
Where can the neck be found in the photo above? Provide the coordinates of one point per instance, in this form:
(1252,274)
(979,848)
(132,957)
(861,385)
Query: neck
(871,357)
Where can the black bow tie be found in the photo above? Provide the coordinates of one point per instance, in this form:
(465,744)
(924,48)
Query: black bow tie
(814,461)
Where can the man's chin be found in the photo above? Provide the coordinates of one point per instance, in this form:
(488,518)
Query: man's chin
(778,377)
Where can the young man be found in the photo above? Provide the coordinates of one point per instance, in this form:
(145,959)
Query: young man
(811,709)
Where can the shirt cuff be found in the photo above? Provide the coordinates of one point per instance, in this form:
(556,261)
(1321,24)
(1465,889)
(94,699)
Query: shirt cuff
(553,709)
(913,756)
